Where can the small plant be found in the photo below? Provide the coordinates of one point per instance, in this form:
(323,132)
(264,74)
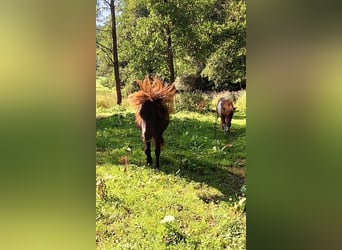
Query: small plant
(241,204)
(101,189)
(172,236)
(243,190)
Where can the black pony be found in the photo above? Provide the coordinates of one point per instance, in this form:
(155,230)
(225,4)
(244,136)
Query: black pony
(153,105)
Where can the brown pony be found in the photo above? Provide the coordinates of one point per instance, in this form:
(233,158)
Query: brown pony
(153,104)
(225,109)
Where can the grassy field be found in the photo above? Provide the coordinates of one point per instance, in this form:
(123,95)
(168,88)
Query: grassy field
(195,201)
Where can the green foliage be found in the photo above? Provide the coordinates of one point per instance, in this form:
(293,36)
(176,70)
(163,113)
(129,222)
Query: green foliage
(227,64)
(104,68)
(129,88)
(103,50)
(141,41)
(203,32)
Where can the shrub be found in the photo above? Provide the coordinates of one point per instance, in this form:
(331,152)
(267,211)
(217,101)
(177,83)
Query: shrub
(129,88)
(192,101)
(192,83)
(107,82)
(241,101)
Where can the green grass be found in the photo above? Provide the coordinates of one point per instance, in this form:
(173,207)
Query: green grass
(199,184)
(106,101)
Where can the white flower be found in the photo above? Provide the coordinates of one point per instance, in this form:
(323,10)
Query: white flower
(167,218)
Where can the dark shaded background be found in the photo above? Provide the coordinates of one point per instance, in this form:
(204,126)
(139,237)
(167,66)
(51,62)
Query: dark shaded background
(294,62)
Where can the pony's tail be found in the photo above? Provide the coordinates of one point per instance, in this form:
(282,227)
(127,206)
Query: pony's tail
(155,92)
(164,94)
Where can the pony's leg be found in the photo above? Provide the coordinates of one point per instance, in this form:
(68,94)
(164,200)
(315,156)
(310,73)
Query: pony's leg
(147,150)
(157,152)
(223,123)
(159,141)
(146,136)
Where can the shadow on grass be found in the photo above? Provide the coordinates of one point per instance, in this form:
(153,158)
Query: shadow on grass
(195,150)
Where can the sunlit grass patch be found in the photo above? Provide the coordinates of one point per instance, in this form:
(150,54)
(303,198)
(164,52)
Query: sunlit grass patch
(199,184)
(105,100)
(139,199)
(106,103)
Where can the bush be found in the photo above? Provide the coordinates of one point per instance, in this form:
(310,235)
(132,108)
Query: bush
(195,101)
(241,101)
(130,88)
(193,83)
(107,82)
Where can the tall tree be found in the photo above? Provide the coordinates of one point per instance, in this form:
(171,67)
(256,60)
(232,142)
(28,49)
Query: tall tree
(169,52)
(115,54)
(175,38)
(110,51)
(142,40)
(166,36)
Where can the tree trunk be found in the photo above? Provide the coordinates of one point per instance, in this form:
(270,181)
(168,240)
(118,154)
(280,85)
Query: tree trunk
(169,51)
(115,54)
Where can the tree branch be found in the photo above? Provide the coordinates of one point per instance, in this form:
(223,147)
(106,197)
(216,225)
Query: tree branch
(106,50)
(108,56)
(104,47)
